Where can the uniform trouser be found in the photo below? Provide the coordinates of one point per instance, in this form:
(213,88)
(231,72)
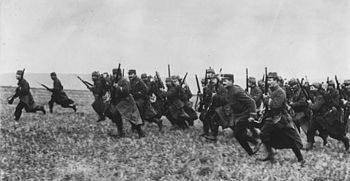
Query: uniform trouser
(315,125)
(21,105)
(266,135)
(52,102)
(240,133)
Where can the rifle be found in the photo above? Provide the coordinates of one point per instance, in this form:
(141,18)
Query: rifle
(169,70)
(338,87)
(159,81)
(306,94)
(86,83)
(47,88)
(183,80)
(198,92)
(12,98)
(246,80)
(266,86)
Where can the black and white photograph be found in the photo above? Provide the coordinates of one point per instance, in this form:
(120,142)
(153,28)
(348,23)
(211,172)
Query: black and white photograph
(175,90)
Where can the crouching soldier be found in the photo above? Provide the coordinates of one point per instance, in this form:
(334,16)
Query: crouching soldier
(26,99)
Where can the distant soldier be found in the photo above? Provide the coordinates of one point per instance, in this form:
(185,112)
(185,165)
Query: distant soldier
(99,90)
(123,106)
(346,101)
(59,96)
(327,115)
(255,91)
(238,114)
(26,99)
(140,91)
(297,100)
(186,95)
(279,130)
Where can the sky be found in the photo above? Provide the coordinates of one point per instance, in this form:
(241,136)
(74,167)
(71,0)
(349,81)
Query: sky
(294,38)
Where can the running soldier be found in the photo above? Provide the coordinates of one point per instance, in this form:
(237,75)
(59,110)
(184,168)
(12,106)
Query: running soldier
(140,91)
(59,96)
(279,130)
(26,99)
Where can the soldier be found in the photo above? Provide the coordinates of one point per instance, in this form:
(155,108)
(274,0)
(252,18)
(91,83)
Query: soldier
(278,130)
(255,91)
(174,104)
(140,92)
(26,99)
(99,90)
(59,96)
(346,101)
(327,117)
(238,114)
(123,106)
(186,95)
(297,101)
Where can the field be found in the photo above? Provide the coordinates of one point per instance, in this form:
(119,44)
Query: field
(72,146)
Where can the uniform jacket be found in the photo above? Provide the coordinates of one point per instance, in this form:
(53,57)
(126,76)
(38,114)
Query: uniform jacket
(24,92)
(240,101)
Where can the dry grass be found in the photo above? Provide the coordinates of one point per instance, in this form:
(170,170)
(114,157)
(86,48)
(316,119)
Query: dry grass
(72,146)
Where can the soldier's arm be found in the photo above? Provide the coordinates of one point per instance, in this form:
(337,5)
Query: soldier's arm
(246,100)
(23,88)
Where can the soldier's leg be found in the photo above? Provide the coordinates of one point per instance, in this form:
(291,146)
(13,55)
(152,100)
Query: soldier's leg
(314,126)
(240,133)
(69,106)
(51,104)
(192,114)
(139,130)
(18,110)
(117,119)
(341,138)
(266,133)
(296,151)
(204,118)
(214,126)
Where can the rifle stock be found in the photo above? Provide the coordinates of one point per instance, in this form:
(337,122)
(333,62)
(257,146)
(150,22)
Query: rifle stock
(246,80)
(86,83)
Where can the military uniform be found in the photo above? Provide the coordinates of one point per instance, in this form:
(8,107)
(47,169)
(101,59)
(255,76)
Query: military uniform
(59,96)
(99,90)
(279,131)
(327,117)
(140,91)
(26,99)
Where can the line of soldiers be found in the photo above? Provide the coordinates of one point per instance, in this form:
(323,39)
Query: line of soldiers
(271,111)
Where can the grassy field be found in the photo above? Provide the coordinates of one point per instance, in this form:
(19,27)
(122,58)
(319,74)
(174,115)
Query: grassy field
(72,146)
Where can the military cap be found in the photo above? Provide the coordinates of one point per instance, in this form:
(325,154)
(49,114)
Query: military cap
(331,82)
(132,71)
(53,74)
(293,82)
(175,77)
(317,85)
(168,79)
(272,75)
(144,76)
(115,71)
(210,70)
(347,81)
(252,80)
(19,72)
(228,76)
(95,74)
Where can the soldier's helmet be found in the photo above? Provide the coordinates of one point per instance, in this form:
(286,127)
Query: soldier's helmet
(252,80)
(95,74)
(210,70)
(331,83)
(317,85)
(175,77)
(168,79)
(116,71)
(261,83)
(144,76)
(132,71)
(292,82)
(228,77)
(19,72)
(346,82)
(53,74)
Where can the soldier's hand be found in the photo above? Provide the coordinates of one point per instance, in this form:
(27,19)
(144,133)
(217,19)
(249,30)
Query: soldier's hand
(309,102)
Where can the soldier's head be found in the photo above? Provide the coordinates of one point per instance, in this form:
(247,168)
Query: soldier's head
(227,80)
(132,73)
(53,75)
(261,84)
(251,82)
(144,77)
(346,85)
(116,72)
(151,78)
(280,80)
(331,85)
(95,75)
(175,79)
(315,87)
(168,82)
(19,74)
(272,79)
(210,73)
(293,84)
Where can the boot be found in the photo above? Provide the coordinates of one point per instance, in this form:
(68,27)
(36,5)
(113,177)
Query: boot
(101,118)
(159,123)
(309,146)
(139,131)
(74,108)
(42,109)
(345,140)
(269,156)
(324,139)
